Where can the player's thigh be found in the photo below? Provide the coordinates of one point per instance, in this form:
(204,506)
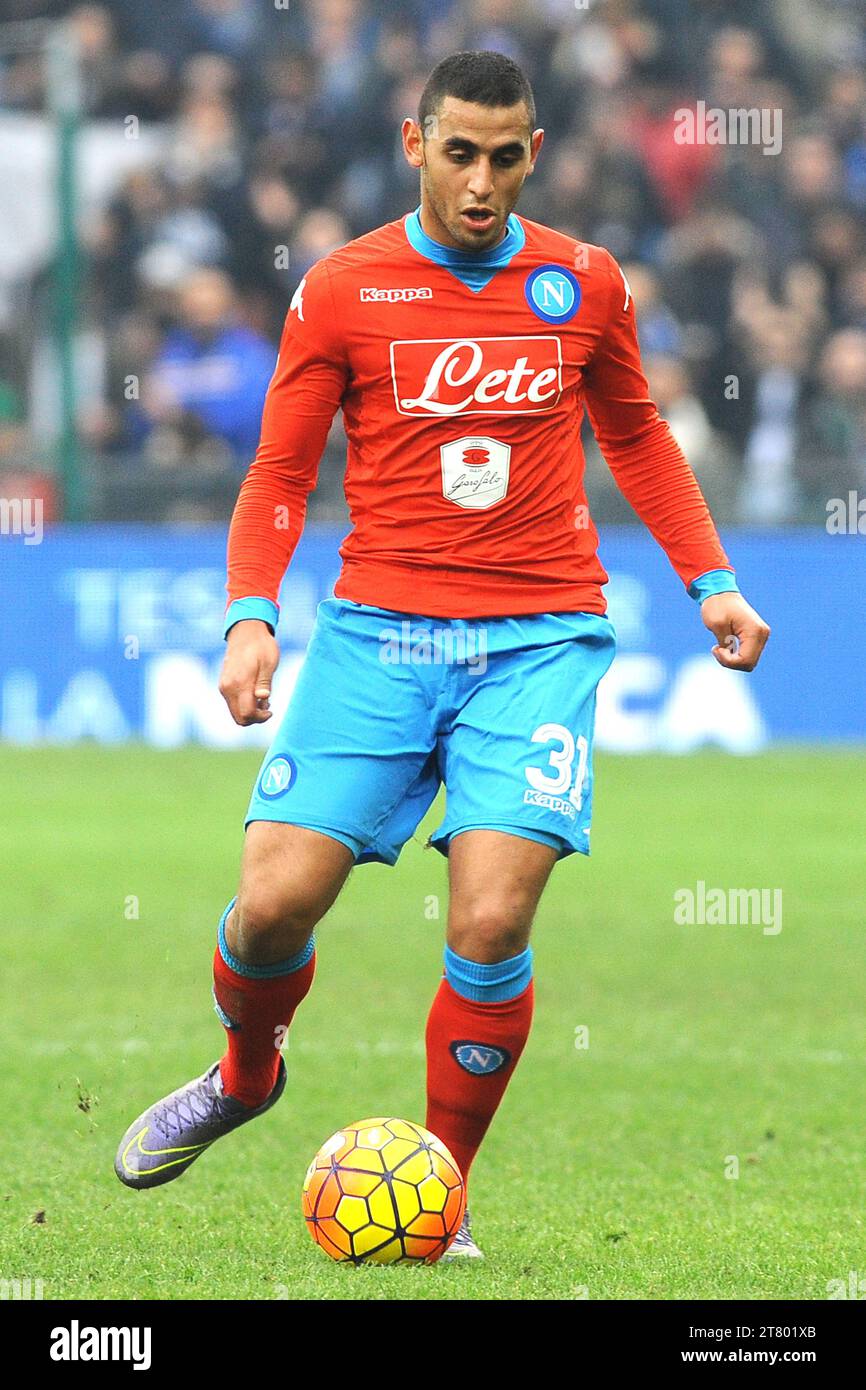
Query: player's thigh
(354,739)
(495,883)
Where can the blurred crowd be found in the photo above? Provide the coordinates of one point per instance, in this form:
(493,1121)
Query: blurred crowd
(279,140)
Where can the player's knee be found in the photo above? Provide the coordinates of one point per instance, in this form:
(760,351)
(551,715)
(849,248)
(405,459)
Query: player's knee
(488,931)
(266,912)
(288,882)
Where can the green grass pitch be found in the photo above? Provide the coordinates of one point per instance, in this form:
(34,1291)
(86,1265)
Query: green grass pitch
(606,1174)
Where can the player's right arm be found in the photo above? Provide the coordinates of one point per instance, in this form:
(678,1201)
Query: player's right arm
(308,384)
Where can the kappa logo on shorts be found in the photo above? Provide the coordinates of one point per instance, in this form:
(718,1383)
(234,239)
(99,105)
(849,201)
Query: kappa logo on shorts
(277,777)
(551,803)
(479,1058)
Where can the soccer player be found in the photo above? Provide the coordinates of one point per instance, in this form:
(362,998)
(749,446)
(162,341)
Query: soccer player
(467,634)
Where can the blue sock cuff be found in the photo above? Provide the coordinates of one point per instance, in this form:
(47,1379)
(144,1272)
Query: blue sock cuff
(261,972)
(488,984)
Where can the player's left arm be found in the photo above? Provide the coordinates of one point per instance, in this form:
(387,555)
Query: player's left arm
(652,473)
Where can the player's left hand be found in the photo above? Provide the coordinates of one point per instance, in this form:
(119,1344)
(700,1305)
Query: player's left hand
(741,633)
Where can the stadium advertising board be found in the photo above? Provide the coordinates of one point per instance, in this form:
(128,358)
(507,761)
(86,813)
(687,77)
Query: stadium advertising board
(111,635)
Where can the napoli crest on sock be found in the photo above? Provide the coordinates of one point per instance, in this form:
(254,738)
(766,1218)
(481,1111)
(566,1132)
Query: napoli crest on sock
(223,1016)
(481,1059)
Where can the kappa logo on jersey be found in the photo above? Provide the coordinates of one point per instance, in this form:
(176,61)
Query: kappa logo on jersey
(297,300)
(393,296)
(553,293)
(628,293)
(277,777)
(479,1058)
(476,376)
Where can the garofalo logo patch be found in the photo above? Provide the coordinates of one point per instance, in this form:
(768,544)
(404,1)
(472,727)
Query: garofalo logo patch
(77,1343)
(479,1058)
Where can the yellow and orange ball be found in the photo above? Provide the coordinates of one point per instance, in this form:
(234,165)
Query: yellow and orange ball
(383,1190)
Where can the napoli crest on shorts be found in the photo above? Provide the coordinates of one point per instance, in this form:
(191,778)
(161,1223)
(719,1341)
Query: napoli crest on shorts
(479,1058)
(553,293)
(277,777)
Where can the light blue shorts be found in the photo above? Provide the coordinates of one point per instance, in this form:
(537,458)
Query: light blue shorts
(388,706)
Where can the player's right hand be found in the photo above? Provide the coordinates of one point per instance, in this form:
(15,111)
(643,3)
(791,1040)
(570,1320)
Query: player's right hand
(251,659)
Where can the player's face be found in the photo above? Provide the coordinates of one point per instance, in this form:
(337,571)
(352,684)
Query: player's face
(473,161)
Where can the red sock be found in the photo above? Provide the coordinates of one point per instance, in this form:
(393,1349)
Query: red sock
(260,1011)
(465,1083)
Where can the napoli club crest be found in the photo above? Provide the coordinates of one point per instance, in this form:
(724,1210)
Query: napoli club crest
(481,1059)
(277,777)
(553,294)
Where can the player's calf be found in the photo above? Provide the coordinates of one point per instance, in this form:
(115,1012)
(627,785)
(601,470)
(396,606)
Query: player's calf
(481,1016)
(265,958)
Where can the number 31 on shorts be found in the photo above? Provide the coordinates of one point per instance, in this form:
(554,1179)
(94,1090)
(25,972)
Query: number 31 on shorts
(565,779)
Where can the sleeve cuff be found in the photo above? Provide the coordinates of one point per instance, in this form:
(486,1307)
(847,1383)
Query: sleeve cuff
(262,608)
(713,582)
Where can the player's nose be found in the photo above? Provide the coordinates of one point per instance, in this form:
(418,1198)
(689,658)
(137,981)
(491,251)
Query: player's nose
(481,181)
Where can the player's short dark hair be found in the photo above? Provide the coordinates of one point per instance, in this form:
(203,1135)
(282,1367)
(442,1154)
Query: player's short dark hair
(490,79)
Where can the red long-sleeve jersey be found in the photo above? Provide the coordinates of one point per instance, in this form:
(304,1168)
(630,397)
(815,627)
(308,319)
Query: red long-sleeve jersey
(463,386)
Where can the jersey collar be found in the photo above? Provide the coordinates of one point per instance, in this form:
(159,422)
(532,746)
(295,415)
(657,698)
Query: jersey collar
(475,268)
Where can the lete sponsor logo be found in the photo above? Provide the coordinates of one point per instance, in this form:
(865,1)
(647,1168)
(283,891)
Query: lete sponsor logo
(477,376)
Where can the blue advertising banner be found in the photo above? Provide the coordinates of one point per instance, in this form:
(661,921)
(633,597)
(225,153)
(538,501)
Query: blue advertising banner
(116,633)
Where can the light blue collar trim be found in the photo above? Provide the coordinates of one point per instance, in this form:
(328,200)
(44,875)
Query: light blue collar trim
(474,268)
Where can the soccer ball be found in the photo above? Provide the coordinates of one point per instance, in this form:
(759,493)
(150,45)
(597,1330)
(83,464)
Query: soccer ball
(383,1190)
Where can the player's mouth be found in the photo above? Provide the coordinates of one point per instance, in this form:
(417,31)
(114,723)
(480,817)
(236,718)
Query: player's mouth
(479,219)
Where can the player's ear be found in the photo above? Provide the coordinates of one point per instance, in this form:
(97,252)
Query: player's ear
(412,143)
(535,144)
